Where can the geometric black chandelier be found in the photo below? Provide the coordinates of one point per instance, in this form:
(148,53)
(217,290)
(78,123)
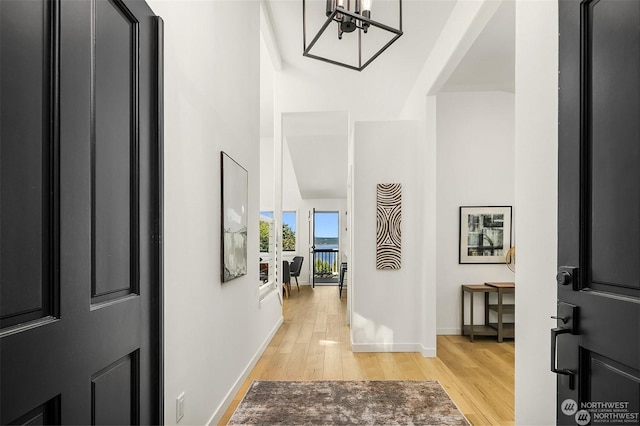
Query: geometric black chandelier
(337,44)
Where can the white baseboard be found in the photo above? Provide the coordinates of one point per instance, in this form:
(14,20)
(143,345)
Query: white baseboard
(394,347)
(429,352)
(226,402)
(448,331)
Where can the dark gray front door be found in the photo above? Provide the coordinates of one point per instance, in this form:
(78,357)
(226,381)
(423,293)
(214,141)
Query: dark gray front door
(80,212)
(598,333)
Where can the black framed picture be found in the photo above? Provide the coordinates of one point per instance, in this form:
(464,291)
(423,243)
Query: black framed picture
(235,200)
(485,234)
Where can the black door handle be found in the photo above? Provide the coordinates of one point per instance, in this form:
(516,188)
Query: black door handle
(563,319)
(555,332)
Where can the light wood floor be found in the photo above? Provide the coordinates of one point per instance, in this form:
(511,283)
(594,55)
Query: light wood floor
(313,344)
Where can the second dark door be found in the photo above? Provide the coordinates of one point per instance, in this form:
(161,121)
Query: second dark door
(598,333)
(80,212)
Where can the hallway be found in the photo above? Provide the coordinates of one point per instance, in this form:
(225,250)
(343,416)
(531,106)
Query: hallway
(313,344)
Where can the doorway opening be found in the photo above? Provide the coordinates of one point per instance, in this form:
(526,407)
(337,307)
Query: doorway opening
(326,247)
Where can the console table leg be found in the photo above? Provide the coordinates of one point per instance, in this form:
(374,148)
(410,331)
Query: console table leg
(462,314)
(486,308)
(471,316)
(500,334)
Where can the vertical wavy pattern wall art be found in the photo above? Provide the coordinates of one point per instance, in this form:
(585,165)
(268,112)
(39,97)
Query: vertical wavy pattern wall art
(388,220)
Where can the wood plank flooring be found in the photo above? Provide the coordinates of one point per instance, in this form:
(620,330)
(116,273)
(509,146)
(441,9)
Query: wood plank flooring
(313,344)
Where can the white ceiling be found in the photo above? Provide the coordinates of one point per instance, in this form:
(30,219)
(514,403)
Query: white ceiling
(309,91)
(490,62)
(318,149)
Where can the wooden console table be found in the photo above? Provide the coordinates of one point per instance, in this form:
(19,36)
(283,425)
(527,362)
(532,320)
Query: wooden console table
(505,329)
(500,328)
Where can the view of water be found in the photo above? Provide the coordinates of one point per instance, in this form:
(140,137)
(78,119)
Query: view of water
(326,243)
(326,246)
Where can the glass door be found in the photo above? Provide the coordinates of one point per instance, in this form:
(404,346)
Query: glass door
(326,247)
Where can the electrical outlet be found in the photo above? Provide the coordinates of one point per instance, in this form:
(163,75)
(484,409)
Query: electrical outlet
(179,407)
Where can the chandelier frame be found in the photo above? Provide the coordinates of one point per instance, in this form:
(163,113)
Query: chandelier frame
(397,32)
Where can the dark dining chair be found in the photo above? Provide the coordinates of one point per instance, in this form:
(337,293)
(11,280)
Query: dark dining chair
(343,276)
(286,278)
(296,268)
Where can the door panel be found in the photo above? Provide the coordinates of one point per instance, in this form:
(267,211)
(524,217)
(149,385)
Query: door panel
(611,381)
(92,139)
(115,151)
(45,414)
(614,102)
(26,106)
(599,212)
(115,398)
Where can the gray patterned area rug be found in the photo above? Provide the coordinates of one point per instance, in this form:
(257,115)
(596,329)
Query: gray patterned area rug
(347,403)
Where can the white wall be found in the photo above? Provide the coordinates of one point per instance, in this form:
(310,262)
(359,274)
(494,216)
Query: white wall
(267,174)
(475,167)
(388,305)
(290,190)
(211,104)
(536,194)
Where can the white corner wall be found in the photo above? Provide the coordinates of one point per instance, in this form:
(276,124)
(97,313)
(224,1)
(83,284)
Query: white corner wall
(536,201)
(389,306)
(213,332)
(267,174)
(475,167)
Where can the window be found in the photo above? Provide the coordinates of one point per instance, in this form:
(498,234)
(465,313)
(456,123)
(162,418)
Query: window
(289,231)
(267,255)
(265,225)
(326,240)
(326,230)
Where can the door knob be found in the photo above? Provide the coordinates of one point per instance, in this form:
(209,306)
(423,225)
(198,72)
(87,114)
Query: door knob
(568,275)
(563,278)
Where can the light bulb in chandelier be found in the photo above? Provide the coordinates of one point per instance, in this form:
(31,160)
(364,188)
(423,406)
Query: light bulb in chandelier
(366,12)
(346,23)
